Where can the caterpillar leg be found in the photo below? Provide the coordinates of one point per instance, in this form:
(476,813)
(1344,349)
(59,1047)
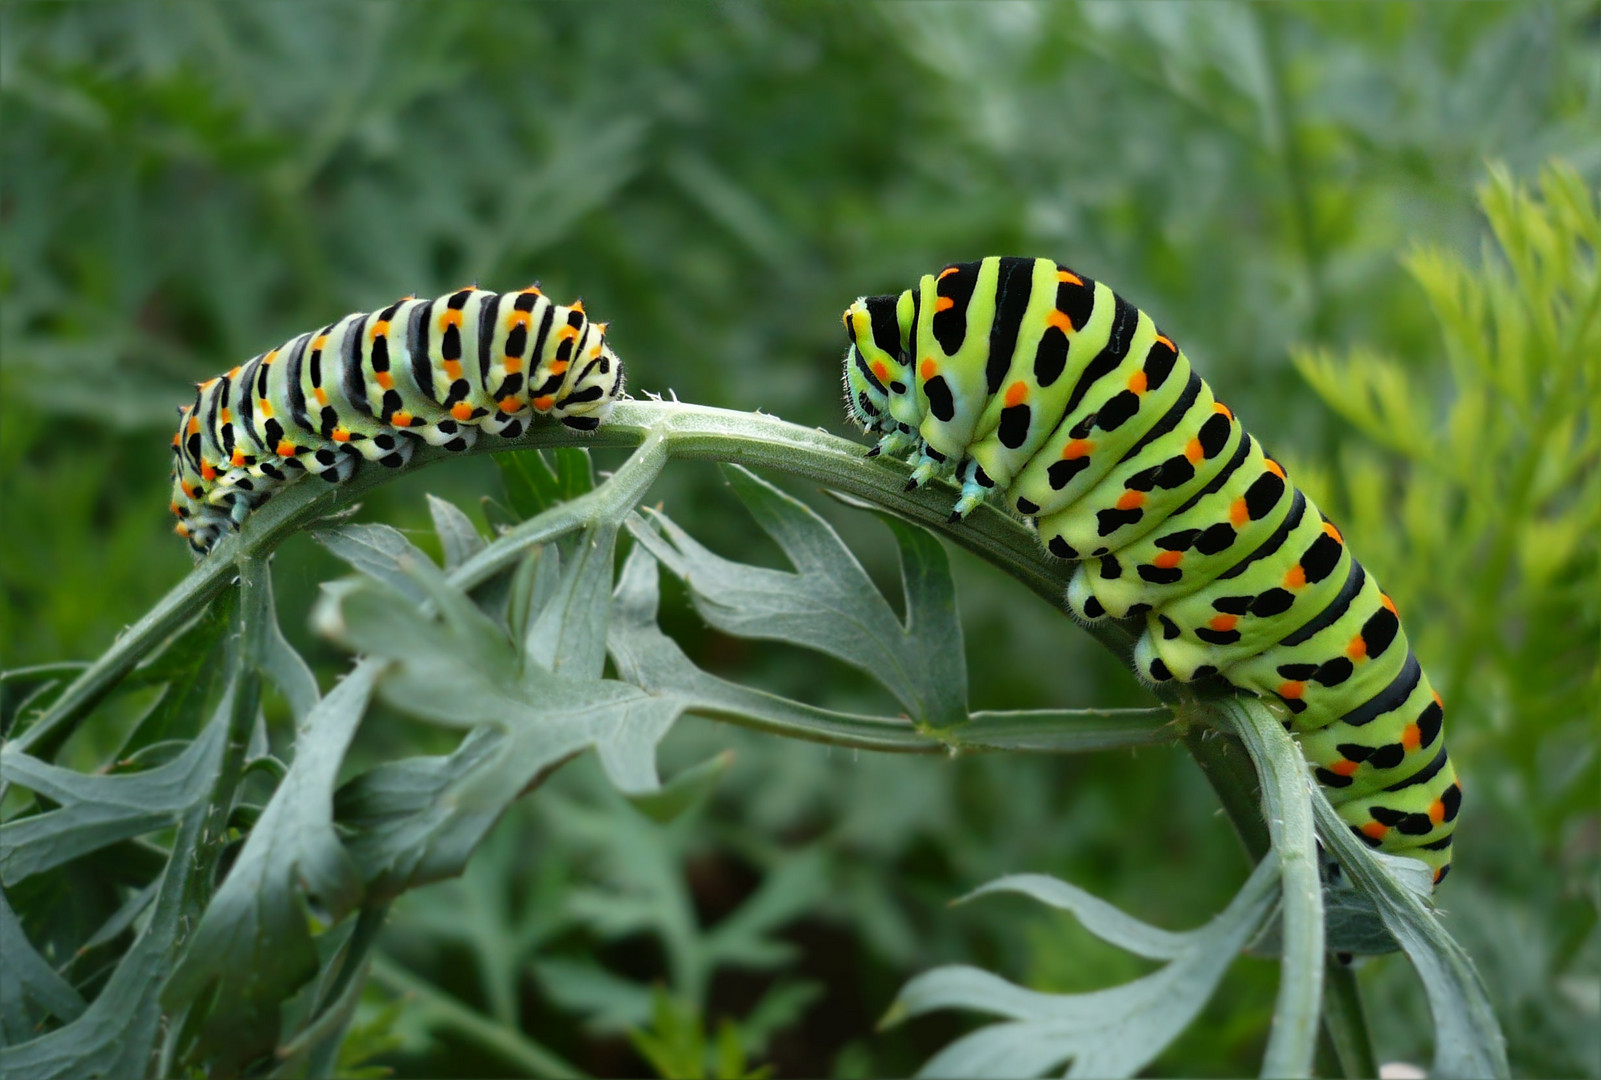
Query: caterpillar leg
(976,487)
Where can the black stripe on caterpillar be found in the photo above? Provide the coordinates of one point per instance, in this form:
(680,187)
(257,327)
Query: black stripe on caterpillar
(371,385)
(1020,378)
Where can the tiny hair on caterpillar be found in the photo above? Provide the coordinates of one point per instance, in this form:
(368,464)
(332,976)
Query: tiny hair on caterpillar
(1021,379)
(370,386)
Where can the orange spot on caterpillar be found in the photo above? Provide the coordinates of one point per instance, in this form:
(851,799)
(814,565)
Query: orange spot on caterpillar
(1137,382)
(578,306)
(239,460)
(207,472)
(173,506)
(1437,811)
(1077,449)
(558,367)
(1219,407)
(566,332)
(518,318)
(1069,277)
(533,290)
(1344,767)
(1239,512)
(1131,500)
(943,303)
(340,435)
(461,411)
(1060,320)
(880,372)
(321,395)
(448,318)
(928,369)
(1169,559)
(285,448)
(384,379)
(232,372)
(379,329)
(1273,467)
(1438,700)
(400,418)
(1358,648)
(1163,339)
(194,425)
(225,415)
(317,344)
(544,403)
(513,364)
(509,404)
(1331,531)
(264,407)
(1017,393)
(1377,830)
(181,529)
(1224,622)
(1390,604)
(1440,874)
(1195,451)
(1411,737)
(1292,690)
(452,369)
(947,272)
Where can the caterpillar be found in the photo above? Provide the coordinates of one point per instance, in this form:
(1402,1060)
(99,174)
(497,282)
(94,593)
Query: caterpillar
(370,386)
(1020,377)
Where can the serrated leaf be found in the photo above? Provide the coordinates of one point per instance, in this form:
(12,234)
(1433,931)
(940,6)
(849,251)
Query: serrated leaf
(535,484)
(684,792)
(828,603)
(1114,1032)
(457,536)
(568,636)
(1467,1037)
(95,811)
(378,551)
(117,1033)
(254,946)
(463,672)
(30,989)
(650,659)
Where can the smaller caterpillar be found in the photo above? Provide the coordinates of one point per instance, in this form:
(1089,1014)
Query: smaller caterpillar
(371,385)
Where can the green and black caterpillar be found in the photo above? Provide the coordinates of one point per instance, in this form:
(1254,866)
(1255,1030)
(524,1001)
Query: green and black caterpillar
(1022,377)
(369,386)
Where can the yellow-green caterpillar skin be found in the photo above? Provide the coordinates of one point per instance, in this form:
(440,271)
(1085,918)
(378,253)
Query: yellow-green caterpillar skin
(1022,378)
(370,385)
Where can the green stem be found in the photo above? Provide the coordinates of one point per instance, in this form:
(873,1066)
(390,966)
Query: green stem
(1345,1047)
(686,431)
(446,1011)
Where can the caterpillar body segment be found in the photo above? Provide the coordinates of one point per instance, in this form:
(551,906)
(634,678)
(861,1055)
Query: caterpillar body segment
(1027,381)
(373,386)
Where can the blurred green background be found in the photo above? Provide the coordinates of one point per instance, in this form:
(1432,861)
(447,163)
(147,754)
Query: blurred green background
(185,185)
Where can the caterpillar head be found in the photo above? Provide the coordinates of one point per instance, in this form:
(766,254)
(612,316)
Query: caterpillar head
(593,383)
(875,363)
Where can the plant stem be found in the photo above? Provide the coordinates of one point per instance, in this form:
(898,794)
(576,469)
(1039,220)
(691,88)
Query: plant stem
(446,1011)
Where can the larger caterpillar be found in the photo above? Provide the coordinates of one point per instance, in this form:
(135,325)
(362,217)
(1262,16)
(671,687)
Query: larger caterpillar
(1022,377)
(369,386)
